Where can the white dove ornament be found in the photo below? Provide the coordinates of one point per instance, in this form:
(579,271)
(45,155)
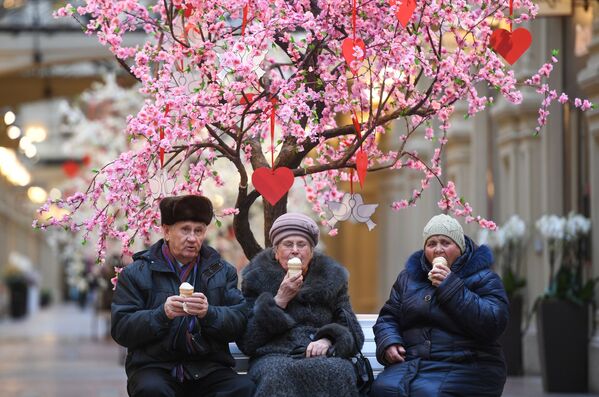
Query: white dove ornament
(352,206)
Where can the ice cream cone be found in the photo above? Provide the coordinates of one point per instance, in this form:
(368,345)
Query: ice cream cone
(186,290)
(439,261)
(294,266)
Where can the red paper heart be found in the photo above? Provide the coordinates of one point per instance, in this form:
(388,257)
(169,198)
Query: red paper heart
(188,11)
(272,185)
(510,45)
(250,98)
(361,166)
(70,168)
(404,11)
(347,48)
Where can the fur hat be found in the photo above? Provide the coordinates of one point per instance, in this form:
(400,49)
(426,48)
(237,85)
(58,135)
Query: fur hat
(186,208)
(445,225)
(294,224)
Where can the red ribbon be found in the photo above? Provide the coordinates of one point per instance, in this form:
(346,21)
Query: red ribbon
(161,151)
(353,20)
(244,20)
(273,101)
(354,120)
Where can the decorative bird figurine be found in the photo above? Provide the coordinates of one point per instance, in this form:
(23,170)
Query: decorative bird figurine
(352,206)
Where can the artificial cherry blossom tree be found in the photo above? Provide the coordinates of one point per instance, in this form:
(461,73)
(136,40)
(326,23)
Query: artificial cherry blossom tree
(216,72)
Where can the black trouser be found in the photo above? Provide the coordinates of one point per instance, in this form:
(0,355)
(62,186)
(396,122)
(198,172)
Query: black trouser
(156,382)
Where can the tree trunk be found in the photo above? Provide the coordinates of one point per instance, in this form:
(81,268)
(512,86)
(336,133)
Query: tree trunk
(270,214)
(241,222)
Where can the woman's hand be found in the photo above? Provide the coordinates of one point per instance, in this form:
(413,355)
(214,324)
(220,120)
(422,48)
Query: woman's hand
(395,354)
(318,347)
(288,289)
(438,274)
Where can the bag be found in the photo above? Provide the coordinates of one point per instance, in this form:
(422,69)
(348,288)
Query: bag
(362,367)
(364,375)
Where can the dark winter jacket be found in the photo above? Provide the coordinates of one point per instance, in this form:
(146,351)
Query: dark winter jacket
(276,338)
(152,340)
(449,332)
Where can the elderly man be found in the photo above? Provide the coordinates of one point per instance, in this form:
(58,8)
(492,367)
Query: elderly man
(178,346)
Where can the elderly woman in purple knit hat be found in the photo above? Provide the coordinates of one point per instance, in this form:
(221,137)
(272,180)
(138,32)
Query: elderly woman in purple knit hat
(302,326)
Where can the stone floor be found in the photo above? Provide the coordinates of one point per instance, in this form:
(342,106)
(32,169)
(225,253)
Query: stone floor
(62,352)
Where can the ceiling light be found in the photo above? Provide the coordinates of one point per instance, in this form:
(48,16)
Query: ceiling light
(13,132)
(37,194)
(30,151)
(24,143)
(55,193)
(9,117)
(36,133)
(12,169)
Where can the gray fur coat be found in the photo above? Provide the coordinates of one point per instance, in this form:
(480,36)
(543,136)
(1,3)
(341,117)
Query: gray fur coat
(273,334)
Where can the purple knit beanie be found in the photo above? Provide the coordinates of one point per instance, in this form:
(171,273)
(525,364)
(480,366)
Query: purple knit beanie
(294,224)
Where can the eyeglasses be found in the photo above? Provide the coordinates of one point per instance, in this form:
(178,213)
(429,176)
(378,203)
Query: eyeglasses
(288,245)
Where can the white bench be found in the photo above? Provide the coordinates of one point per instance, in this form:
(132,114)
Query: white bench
(369,348)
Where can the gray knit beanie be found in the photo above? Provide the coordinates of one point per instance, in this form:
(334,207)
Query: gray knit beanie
(294,224)
(445,225)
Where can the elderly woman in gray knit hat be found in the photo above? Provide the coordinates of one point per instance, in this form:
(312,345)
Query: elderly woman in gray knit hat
(299,332)
(437,334)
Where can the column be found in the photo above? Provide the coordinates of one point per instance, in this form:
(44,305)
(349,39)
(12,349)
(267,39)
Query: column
(401,231)
(529,168)
(588,79)
(458,159)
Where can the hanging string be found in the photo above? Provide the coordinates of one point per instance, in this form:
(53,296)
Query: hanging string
(357,126)
(161,150)
(511,13)
(272,134)
(354,117)
(354,19)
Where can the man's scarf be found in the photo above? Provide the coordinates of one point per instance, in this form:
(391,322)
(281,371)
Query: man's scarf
(184,273)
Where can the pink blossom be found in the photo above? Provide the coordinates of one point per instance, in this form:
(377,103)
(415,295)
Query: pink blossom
(230,211)
(398,205)
(206,76)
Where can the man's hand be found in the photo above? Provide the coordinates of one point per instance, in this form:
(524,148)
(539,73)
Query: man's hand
(288,289)
(318,347)
(395,354)
(173,307)
(197,305)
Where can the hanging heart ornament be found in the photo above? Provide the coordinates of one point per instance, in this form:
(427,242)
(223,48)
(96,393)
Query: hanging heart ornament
(510,45)
(405,10)
(70,168)
(348,50)
(272,185)
(361,166)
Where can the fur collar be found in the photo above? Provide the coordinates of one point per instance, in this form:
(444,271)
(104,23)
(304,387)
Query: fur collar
(473,260)
(325,278)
